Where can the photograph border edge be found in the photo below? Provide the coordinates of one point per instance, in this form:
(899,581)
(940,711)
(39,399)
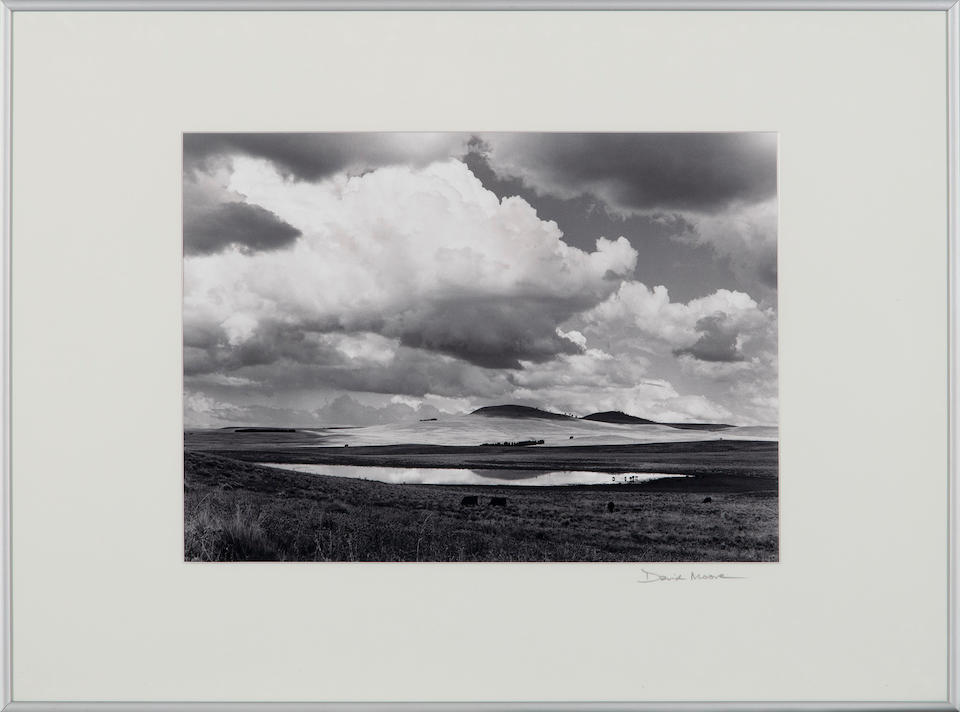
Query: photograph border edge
(951,10)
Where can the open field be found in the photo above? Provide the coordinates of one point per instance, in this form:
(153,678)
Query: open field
(236,510)
(470,430)
(717,457)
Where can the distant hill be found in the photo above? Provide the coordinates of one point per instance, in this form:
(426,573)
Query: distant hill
(616,416)
(699,426)
(518,411)
(258,429)
(608,416)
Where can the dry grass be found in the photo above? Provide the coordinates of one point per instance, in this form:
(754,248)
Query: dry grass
(236,511)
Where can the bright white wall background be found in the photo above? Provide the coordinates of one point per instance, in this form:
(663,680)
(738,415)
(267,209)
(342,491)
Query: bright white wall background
(105,608)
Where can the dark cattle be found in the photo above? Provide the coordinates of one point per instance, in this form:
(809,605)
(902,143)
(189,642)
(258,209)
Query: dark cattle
(498,501)
(610,506)
(707,500)
(469,501)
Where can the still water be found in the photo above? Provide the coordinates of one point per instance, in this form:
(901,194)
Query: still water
(457,476)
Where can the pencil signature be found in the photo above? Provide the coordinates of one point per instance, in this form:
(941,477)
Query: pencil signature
(651,577)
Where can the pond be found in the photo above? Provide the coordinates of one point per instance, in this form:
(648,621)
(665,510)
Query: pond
(463,476)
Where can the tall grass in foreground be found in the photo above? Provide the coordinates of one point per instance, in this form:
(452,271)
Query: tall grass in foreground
(236,511)
(231,526)
(227,529)
(237,537)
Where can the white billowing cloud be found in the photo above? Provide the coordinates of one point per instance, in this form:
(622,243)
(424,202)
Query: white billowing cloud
(203,411)
(593,369)
(721,349)
(368,348)
(650,315)
(239,327)
(595,381)
(574,336)
(408,401)
(426,256)
(418,283)
(201,403)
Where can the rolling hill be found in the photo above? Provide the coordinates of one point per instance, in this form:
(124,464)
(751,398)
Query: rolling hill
(524,424)
(616,416)
(518,411)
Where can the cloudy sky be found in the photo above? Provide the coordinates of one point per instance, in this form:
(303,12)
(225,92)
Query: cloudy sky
(375,277)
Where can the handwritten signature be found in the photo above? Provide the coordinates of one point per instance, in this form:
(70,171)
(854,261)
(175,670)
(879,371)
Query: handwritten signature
(651,577)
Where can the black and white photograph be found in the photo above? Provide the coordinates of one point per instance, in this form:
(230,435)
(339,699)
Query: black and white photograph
(503,347)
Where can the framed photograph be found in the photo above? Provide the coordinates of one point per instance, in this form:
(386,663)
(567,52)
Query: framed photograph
(416,309)
(495,356)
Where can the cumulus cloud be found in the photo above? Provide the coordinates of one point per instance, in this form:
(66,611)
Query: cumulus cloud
(425,256)
(712,328)
(361,279)
(718,345)
(215,217)
(714,189)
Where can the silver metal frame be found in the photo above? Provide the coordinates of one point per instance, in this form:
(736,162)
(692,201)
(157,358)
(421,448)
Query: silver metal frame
(455,5)
(8,8)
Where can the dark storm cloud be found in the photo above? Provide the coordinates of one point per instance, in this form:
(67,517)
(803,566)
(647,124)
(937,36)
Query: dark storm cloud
(700,172)
(297,368)
(412,372)
(717,342)
(690,269)
(492,333)
(250,227)
(207,348)
(314,156)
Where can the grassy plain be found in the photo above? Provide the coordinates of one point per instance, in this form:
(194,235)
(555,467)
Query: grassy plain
(235,510)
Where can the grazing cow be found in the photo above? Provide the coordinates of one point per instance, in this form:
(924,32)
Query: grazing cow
(469,501)
(707,500)
(498,501)
(610,506)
